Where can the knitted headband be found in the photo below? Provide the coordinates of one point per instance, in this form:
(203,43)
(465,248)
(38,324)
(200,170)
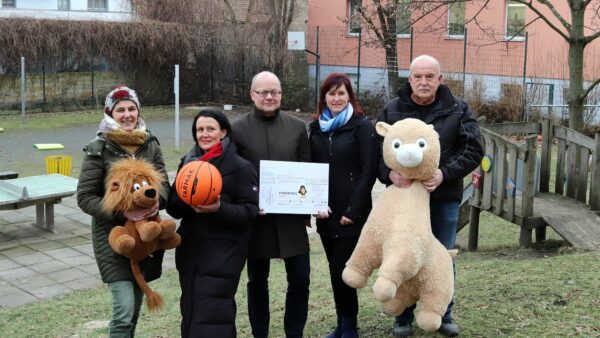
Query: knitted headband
(119,94)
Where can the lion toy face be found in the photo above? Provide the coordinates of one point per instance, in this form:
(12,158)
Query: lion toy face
(132,184)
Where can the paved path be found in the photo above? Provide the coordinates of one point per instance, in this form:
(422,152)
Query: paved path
(35,264)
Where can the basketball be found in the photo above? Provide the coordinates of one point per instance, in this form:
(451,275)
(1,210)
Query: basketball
(198,183)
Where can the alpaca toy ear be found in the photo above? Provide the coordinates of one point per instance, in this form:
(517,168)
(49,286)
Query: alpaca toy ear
(114,185)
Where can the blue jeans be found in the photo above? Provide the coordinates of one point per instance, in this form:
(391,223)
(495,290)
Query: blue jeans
(297,269)
(444,220)
(126,301)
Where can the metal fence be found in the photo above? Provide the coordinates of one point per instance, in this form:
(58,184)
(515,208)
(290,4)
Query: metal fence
(481,65)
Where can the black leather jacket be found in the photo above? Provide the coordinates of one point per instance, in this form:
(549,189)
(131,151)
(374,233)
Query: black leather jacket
(461,149)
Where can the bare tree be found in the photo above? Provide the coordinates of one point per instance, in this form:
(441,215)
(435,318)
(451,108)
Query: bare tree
(280,21)
(572,29)
(380,19)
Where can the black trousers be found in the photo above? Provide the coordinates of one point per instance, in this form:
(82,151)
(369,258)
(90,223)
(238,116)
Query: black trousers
(338,251)
(296,300)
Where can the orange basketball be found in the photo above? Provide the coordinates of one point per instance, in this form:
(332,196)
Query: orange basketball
(198,183)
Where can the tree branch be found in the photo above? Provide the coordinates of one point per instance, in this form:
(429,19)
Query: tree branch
(590,88)
(562,20)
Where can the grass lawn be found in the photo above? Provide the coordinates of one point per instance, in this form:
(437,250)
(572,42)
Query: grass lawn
(550,290)
(502,290)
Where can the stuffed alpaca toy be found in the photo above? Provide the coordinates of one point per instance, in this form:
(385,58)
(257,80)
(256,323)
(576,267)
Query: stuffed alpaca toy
(133,188)
(414,267)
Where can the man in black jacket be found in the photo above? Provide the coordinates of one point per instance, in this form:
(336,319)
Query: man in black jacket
(425,98)
(269,134)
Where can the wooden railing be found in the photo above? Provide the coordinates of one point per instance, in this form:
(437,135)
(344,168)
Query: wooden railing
(576,165)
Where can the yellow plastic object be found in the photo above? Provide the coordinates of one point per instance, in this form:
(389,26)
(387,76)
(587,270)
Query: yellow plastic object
(59,164)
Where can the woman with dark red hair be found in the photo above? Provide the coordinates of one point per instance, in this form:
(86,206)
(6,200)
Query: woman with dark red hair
(342,136)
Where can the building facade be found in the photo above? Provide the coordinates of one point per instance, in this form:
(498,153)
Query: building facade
(104,10)
(496,55)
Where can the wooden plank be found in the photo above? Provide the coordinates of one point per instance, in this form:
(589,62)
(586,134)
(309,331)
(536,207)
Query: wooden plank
(573,136)
(582,174)
(488,181)
(499,138)
(546,159)
(571,169)
(501,179)
(559,184)
(509,205)
(595,188)
(515,128)
(572,219)
(529,178)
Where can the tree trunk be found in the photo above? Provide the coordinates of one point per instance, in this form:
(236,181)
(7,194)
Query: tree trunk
(576,48)
(391,52)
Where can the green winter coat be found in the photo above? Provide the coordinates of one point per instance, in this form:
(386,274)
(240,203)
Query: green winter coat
(99,156)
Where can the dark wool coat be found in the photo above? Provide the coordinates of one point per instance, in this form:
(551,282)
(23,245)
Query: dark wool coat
(461,149)
(99,156)
(282,137)
(214,247)
(352,152)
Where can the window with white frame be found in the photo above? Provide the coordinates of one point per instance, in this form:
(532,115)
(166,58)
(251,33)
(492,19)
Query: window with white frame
(456,19)
(403,14)
(64,5)
(97,5)
(8,3)
(515,19)
(353,17)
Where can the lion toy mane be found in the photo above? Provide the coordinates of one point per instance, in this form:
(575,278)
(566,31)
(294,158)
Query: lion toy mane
(133,188)
(414,267)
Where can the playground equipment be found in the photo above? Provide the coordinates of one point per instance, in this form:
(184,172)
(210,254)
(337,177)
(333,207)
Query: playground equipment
(572,209)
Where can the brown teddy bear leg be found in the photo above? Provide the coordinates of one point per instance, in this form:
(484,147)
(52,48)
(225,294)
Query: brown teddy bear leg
(170,243)
(168,229)
(120,240)
(384,289)
(148,231)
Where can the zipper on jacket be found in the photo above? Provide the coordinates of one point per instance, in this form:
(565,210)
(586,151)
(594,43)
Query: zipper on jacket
(331,144)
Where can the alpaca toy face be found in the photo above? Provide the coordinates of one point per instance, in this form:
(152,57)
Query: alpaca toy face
(410,147)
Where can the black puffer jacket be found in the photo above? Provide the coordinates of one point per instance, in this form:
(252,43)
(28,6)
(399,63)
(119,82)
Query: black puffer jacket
(461,149)
(99,156)
(214,247)
(352,153)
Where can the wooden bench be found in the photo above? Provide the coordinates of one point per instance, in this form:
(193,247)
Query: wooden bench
(43,191)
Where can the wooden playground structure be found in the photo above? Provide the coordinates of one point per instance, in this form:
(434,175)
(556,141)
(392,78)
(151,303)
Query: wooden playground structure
(517,182)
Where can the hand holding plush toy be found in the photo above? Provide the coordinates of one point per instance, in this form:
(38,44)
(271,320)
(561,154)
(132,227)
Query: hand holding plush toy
(133,188)
(414,267)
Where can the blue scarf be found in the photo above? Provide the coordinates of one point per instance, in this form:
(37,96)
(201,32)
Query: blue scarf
(329,123)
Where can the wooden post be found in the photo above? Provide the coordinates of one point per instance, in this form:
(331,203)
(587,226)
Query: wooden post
(546,156)
(528,190)
(474,227)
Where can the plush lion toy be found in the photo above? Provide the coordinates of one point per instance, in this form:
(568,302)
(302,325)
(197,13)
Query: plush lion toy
(414,267)
(133,188)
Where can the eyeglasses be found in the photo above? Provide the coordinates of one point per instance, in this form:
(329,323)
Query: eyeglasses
(264,93)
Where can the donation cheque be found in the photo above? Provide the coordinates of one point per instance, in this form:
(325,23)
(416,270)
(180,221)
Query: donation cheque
(293,187)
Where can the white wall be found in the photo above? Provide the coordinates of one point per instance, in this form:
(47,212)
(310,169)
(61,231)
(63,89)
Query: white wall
(118,10)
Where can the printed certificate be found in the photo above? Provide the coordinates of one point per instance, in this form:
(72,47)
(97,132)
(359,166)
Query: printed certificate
(293,187)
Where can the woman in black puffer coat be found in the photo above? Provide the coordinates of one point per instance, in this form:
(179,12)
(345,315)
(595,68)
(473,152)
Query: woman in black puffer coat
(215,237)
